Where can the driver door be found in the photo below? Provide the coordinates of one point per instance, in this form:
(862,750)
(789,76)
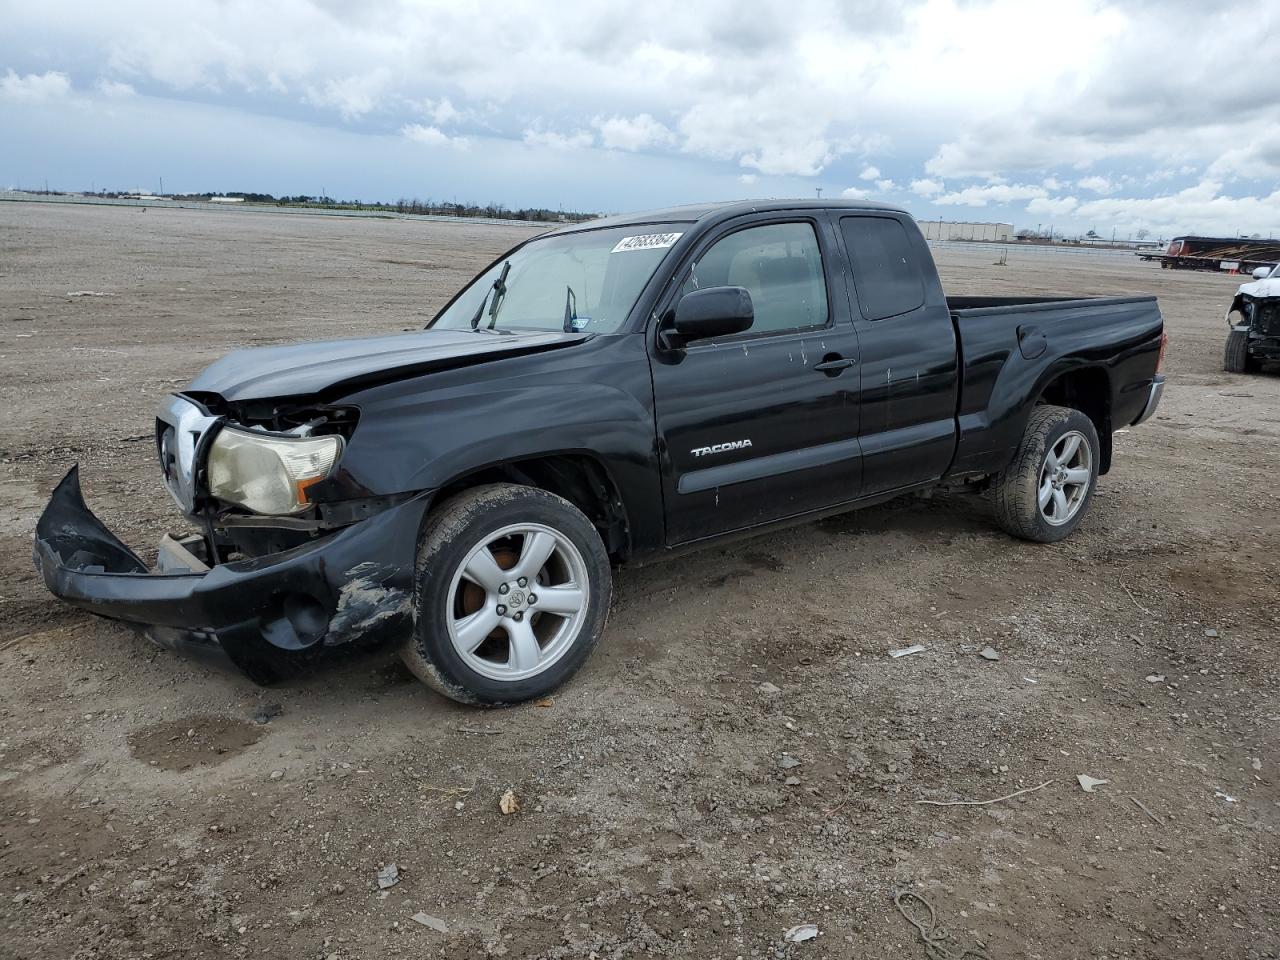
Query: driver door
(761,425)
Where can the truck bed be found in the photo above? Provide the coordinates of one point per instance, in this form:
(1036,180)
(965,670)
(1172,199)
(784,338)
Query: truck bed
(1010,346)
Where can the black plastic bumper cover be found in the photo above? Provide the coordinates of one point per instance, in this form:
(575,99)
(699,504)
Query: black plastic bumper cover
(266,614)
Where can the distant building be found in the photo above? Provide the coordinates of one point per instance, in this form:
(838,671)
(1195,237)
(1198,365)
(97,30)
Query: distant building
(953,230)
(226,199)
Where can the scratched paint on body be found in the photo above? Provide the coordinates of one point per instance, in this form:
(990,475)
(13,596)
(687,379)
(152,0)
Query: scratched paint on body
(365,601)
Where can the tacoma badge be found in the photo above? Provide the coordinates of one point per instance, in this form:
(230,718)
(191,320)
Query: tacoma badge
(721,448)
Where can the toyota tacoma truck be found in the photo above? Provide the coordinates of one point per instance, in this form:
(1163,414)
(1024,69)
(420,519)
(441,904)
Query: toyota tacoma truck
(1253,319)
(601,395)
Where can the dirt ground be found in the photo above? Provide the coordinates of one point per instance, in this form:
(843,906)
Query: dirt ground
(673,803)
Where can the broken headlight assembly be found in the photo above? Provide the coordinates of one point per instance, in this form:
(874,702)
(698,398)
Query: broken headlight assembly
(268,474)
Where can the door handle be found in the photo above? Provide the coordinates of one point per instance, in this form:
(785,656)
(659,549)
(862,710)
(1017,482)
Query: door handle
(835,364)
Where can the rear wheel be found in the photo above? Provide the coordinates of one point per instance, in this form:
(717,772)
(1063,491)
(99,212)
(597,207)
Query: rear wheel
(513,589)
(1236,357)
(1044,493)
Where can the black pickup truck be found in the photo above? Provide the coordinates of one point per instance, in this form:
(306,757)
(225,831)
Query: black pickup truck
(601,395)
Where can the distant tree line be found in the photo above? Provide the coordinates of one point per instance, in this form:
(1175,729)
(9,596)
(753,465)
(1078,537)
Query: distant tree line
(439,208)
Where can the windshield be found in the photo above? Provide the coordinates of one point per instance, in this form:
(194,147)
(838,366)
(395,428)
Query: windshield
(584,282)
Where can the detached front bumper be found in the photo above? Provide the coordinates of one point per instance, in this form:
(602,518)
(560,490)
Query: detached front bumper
(267,614)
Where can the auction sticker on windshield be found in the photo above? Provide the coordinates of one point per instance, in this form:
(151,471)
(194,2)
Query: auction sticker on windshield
(649,241)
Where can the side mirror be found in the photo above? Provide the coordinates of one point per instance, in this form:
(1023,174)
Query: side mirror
(1261,273)
(713,312)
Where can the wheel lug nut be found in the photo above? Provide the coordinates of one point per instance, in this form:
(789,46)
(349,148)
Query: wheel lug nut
(523,582)
(533,598)
(502,611)
(518,616)
(503,589)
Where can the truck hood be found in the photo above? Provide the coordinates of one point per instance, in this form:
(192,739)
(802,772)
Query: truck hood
(336,367)
(1260,288)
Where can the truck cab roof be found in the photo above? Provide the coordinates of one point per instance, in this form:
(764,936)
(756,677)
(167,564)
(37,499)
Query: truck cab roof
(707,213)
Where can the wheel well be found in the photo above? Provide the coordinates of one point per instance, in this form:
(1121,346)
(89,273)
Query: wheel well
(1089,391)
(580,479)
(1237,305)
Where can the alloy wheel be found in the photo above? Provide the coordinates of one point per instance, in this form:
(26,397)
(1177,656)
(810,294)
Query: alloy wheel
(518,601)
(1065,477)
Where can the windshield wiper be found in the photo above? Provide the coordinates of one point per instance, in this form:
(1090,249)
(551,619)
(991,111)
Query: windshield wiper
(570,309)
(499,290)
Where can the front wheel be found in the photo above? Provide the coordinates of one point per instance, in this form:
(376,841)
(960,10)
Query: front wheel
(1043,494)
(513,589)
(1236,357)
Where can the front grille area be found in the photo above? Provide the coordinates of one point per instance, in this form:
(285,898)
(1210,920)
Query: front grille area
(1266,317)
(180,424)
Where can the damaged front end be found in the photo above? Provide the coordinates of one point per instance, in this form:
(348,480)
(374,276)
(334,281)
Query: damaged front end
(321,565)
(1259,318)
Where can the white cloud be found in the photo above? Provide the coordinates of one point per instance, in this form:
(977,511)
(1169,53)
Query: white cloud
(114,88)
(855,193)
(760,133)
(355,95)
(432,136)
(804,159)
(747,178)
(1200,208)
(558,141)
(1096,184)
(1120,97)
(980,196)
(371,63)
(34,87)
(1148,85)
(1253,157)
(632,133)
(1052,206)
(442,112)
(927,187)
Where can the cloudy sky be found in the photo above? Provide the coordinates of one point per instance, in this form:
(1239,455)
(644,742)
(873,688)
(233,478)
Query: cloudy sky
(1083,114)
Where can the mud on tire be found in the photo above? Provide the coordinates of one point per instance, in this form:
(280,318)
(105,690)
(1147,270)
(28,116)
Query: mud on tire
(1017,490)
(510,525)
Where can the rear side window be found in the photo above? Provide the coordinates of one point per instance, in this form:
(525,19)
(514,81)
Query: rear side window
(886,271)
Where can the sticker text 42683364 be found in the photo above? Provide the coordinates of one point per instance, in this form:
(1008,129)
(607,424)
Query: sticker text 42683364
(649,241)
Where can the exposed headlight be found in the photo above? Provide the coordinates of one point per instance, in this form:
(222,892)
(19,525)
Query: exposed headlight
(269,475)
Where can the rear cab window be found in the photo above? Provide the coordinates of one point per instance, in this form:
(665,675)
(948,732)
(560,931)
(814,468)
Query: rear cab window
(887,272)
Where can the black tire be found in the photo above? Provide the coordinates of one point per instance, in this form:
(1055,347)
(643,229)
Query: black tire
(1016,489)
(1236,357)
(449,536)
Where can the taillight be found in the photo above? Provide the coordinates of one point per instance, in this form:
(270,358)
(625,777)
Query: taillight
(1164,342)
